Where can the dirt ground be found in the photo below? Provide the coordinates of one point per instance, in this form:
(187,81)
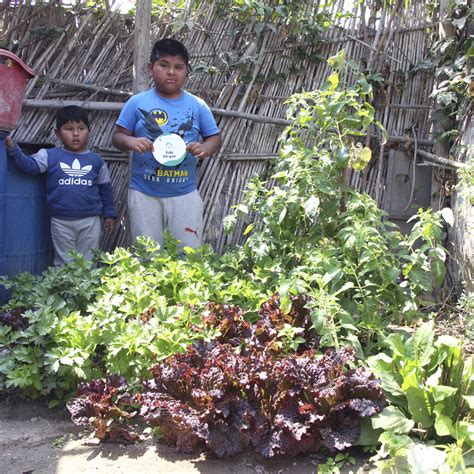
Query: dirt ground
(37,440)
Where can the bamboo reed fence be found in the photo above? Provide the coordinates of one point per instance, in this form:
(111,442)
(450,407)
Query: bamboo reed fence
(86,56)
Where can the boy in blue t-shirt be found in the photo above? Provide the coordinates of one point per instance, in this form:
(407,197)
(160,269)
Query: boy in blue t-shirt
(162,196)
(78,185)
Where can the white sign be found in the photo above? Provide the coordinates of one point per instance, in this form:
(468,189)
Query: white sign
(169,149)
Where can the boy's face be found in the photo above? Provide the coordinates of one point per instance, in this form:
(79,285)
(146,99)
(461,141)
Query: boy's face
(169,74)
(74,135)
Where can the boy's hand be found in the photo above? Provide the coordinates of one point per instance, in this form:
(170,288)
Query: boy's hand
(139,144)
(205,149)
(109,225)
(199,150)
(9,142)
(124,140)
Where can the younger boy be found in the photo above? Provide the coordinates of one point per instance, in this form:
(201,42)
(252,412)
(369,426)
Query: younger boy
(77,185)
(166,197)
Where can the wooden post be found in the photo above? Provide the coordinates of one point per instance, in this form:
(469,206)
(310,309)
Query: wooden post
(141,46)
(141,81)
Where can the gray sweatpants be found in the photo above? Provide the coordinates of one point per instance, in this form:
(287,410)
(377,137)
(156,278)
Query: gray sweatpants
(181,215)
(82,235)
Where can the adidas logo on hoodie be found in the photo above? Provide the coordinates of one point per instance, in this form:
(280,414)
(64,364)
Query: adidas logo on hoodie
(75,173)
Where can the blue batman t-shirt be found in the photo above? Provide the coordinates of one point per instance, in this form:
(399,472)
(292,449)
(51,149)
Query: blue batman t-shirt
(149,115)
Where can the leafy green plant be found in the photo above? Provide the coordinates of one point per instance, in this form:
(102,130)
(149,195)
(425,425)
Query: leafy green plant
(465,186)
(73,285)
(430,388)
(333,465)
(78,322)
(295,16)
(465,307)
(426,268)
(303,203)
(289,338)
(308,232)
(450,59)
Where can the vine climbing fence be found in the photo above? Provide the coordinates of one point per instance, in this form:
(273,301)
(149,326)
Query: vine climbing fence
(245,65)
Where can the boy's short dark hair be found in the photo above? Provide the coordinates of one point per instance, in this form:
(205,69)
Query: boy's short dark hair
(169,47)
(72,113)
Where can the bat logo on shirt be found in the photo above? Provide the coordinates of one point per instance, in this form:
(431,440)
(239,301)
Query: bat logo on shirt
(160,116)
(153,121)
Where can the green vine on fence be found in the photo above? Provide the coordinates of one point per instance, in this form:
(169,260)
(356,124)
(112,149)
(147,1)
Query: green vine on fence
(451,60)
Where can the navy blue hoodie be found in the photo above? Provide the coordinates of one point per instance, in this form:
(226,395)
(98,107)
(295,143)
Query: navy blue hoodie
(77,184)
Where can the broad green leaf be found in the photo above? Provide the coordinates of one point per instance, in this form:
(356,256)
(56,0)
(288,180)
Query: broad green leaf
(392,419)
(311,207)
(451,347)
(438,270)
(440,392)
(79,372)
(470,400)
(381,365)
(332,273)
(353,341)
(419,406)
(368,435)
(420,346)
(422,278)
(468,371)
(285,303)
(425,459)
(333,79)
(365,88)
(448,341)
(396,343)
(396,442)
(280,175)
(412,375)
(248,229)
(242,208)
(282,215)
(338,60)
(443,424)
(464,430)
(434,379)
(347,286)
